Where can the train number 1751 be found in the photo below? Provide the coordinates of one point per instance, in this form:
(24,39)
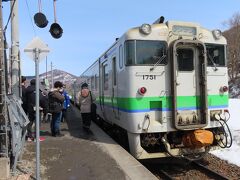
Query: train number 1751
(149,77)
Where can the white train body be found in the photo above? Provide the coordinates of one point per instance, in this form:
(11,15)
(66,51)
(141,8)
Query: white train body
(160,84)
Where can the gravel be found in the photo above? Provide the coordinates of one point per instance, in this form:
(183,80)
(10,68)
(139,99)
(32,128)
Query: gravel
(181,170)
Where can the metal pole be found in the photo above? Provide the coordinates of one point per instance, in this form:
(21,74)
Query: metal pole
(74,92)
(51,75)
(4,121)
(15,49)
(37,51)
(46,68)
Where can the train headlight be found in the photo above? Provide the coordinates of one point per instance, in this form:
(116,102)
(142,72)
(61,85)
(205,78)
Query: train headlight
(145,29)
(142,90)
(217,33)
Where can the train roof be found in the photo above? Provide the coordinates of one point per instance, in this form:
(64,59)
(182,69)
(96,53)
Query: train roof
(171,28)
(163,31)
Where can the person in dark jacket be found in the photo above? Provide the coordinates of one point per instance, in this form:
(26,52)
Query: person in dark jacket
(55,102)
(31,105)
(45,117)
(24,98)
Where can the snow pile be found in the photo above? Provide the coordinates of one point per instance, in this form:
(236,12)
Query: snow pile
(234,89)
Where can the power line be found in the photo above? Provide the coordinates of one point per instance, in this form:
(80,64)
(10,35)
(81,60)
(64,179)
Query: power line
(10,15)
(29,14)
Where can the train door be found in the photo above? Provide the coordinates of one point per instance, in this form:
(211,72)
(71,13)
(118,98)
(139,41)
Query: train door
(103,86)
(189,87)
(114,97)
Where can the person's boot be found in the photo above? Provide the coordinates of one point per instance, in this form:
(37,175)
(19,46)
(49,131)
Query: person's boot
(58,134)
(53,134)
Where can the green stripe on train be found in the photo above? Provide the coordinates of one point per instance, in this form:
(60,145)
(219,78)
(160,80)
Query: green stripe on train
(163,102)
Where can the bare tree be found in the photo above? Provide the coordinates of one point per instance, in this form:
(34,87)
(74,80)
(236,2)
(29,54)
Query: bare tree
(233,52)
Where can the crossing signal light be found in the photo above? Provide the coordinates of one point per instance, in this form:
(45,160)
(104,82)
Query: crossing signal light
(56,30)
(40,20)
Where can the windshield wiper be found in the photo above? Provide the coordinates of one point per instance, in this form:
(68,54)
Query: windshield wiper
(214,64)
(160,59)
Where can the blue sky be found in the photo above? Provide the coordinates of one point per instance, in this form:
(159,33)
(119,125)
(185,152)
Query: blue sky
(91,26)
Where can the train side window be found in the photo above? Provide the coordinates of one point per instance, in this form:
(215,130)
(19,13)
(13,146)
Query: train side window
(120,56)
(88,80)
(96,82)
(130,52)
(105,77)
(114,71)
(92,82)
(185,59)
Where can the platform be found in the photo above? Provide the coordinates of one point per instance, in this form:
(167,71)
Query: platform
(82,155)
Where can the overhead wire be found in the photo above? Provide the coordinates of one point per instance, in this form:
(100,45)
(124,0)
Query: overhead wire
(29,14)
(9,17)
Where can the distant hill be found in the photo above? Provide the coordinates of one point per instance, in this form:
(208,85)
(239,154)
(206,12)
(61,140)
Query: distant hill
(58,75)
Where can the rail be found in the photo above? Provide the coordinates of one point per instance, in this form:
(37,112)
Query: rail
(209,172)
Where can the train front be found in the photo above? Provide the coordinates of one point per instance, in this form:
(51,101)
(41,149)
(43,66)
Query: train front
(179,72)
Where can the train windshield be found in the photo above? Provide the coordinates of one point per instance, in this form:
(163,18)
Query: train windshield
(138,52)
(215,55)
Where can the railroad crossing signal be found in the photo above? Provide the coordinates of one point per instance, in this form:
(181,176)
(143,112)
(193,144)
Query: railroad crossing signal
(56,30)
(40,20)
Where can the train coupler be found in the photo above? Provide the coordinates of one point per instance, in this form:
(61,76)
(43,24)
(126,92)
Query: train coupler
(198,138)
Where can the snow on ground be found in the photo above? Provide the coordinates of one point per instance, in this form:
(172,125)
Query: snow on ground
(232,154)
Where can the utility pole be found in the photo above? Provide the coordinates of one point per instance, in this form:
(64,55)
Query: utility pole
(15,50)
(51,76)
(4,137)
(46,67)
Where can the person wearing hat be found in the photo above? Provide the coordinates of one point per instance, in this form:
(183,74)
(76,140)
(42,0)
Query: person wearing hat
(55,102)
(86,99)
(31,106)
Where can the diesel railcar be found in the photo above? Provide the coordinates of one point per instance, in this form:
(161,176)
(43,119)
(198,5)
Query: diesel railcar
(166,86)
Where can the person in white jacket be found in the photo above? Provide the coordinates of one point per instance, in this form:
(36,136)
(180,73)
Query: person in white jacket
(86,98)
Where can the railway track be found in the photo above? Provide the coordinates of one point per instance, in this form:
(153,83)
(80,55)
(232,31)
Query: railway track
(165,175)
(180,170)
(208,172)
(183,170)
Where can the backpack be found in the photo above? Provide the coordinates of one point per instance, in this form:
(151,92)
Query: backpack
(93,108)
(54,106)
